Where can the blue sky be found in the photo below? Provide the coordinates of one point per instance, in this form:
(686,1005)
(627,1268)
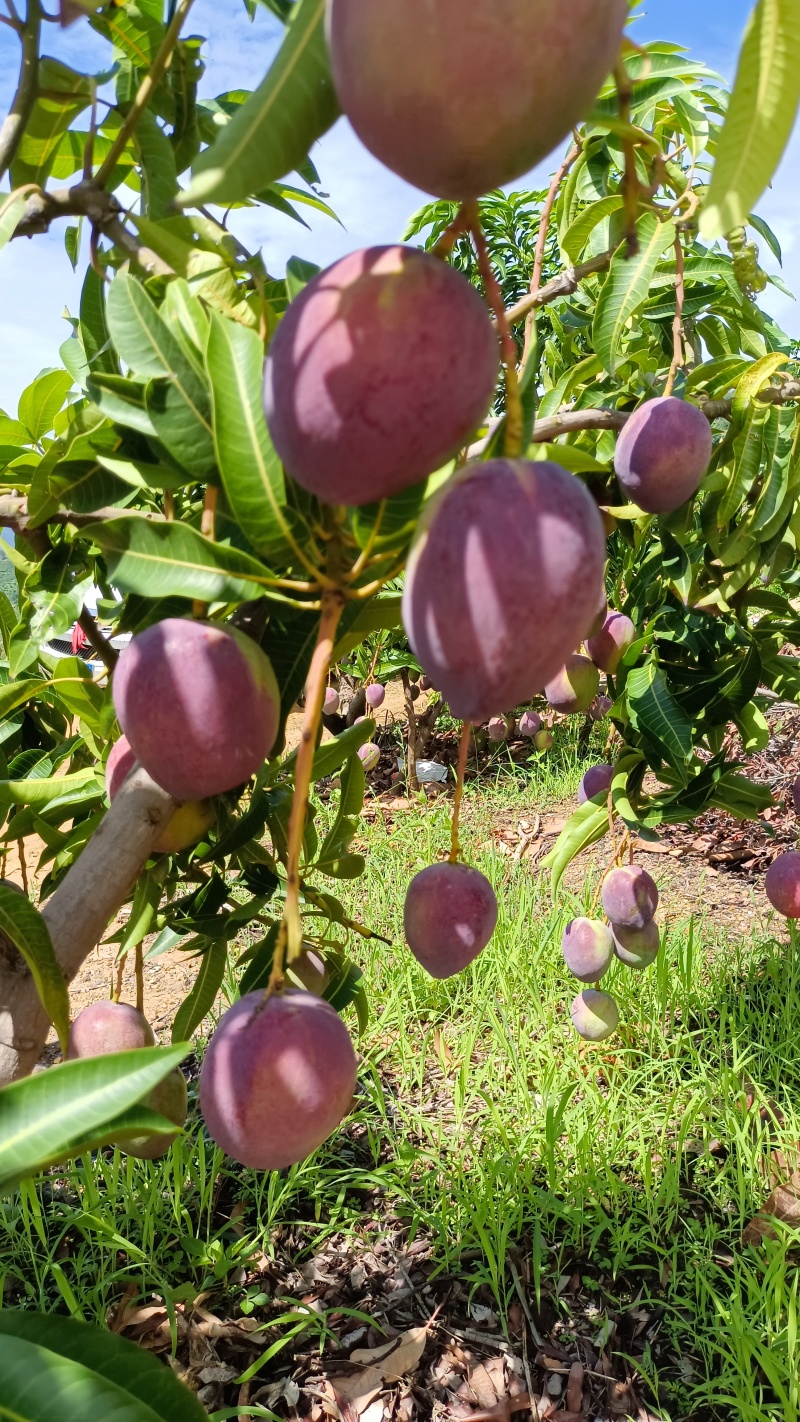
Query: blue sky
(36,280)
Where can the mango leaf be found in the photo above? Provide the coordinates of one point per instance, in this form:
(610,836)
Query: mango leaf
(58,1112)
(11,210)
(121,400)
(251,471)
(204,991)
(337,842)
(627,287)
(180,410)
(173,559)
(27,930)
(41,792)
(588,824)
(62,95)
(655,712)
(579,231)
(760,117)
(273,131)
(60,1367)
(41,401)
(16,693)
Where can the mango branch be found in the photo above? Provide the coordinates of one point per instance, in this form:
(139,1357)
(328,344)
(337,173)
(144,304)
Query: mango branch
(541,239)
(677,324)
(565,284)
(78,913)
(108,655)
(27,86)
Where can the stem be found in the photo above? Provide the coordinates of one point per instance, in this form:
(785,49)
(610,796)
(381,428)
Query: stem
(412,783)
(630,182)
(25,97)
(169,505)
(563,285)
(459,225)
(117,992)
(290,938)
(508,346)
(463,752)
(23,866)
(374,533)
(139,979)
(108,655)
(541,241)
(677,325)
(147,87)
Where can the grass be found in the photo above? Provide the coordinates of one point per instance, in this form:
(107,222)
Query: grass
(485,1125)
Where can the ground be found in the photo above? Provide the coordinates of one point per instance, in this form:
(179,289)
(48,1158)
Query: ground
(507,1216)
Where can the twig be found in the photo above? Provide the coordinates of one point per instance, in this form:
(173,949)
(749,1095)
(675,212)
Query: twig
(108,655)
(147,87)
(463,752)
(630,181)
(139,979)
(23,865)
(565,284)
(508,346)
(412,783)
(25,97)
(541,241)
(677,324)
(290,937)
(535,1334)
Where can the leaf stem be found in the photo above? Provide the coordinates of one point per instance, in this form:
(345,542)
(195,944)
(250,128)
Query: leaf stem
(463,752)
(677,325)
(146,89)
(541,242)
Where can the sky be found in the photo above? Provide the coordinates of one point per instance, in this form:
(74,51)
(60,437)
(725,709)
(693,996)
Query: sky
(36,279)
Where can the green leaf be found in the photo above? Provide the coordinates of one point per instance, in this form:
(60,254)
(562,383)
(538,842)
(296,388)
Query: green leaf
(655,712)
(251,471)
(179,410)
(41,792)
(89,1357)
(203,994)
(11,210)
(157,159)
(760,117)
(41,401)
(121,400)
(579,232)
(753,728)
(588,824)
(627,286)
(57,1112)
(27,930)
(16,693)
(173,559)
(62,95)
(340,836)
(273,131)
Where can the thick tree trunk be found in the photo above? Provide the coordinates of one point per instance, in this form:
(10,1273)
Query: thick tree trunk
(79,912)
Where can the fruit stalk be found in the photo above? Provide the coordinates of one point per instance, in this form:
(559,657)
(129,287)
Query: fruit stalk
(290,938)
(677,324)
(508,346)
(455,229)
(463,752)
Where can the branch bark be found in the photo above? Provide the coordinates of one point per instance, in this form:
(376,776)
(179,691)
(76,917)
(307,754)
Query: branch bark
(86,199)
(564,284)
(108,655)
(78,913)
(25,97)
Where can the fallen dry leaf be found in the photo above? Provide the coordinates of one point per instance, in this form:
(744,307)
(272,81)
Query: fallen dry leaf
(359,1389)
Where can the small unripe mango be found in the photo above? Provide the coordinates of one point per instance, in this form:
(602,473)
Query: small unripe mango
(574,688)
(370,756)
(331,702)
(596,781)
(277,1078)
(188,824)
(629,896)
(595,1015)
(588,949)
(170,1099)
(450,914)
(543,740)
(376,695)
(497,729)
(610,644)
(782,884)
(107,1026)
(529,724)
(637,947)
(663,453)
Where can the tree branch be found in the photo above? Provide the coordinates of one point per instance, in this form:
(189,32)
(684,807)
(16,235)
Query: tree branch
(79,912)
(14,514)
(541,240)
(564,284)
(86,199)
(25,97)
(108,655)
